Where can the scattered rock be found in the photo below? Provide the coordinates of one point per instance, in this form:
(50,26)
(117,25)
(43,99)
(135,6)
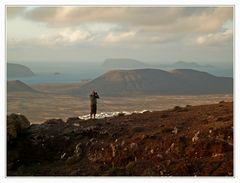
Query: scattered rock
(195,137)
(177,108)
(175,130)
(103,132)
(217,155)
(159,146)
(63,155)
(133,146)
(121,114)
(78,149)
(160,156)
(180,109)
(55,122)
(170,148)
(113,150)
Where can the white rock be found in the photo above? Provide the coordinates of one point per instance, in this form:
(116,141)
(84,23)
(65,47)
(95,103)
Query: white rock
(195,138)
(175,130)
(63,155)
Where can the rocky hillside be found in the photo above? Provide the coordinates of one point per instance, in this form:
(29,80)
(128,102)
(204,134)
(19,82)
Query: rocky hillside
(156,82)
(183,141)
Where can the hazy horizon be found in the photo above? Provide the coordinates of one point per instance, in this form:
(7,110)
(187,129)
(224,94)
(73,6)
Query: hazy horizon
(90,70)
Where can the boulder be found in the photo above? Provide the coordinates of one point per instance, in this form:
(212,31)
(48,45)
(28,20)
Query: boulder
(16,123)
(74,121)
(53,126)
(54,122)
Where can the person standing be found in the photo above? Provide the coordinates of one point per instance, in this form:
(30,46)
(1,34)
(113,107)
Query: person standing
(93,104)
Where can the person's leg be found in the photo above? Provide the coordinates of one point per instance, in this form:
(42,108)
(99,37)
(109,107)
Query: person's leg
(94,111)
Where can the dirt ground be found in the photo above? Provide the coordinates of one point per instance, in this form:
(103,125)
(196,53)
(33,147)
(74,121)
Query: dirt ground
(39,107)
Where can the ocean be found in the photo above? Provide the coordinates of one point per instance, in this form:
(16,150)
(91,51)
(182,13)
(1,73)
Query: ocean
(42,78)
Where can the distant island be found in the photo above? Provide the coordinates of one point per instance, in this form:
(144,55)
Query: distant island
(57,73)
(186,65)
(18,70)
(129,63)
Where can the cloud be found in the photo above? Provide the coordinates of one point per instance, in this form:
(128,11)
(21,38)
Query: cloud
(215,39)
(70,36)
(13,12)
(173,19)
(119,37)
(63,38)
(74,25)
(186,20)
(139,38)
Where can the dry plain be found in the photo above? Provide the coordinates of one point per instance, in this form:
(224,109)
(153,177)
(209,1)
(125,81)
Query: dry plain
(51,102)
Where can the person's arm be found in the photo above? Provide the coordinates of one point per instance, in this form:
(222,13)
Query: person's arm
(97,96)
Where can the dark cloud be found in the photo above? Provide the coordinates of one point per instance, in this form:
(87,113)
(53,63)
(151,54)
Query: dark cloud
(183,19)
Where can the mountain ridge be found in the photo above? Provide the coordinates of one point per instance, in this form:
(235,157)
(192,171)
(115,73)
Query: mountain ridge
(156,82)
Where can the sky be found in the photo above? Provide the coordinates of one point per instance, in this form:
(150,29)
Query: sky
(154,35)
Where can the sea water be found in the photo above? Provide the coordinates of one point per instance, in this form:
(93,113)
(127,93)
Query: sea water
(59,77)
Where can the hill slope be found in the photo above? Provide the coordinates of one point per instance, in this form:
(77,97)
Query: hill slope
(156,81)
(187,141)
(18,70)
(18,86)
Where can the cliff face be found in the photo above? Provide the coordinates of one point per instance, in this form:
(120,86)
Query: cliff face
(189,141)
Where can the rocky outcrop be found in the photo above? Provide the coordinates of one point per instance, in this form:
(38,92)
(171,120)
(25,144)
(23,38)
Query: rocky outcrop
(186,141)
(16,123)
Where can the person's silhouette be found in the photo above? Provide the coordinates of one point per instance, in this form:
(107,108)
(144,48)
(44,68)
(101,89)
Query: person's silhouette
(93,104)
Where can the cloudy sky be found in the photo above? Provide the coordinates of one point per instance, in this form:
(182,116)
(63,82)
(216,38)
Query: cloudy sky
(91,34)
